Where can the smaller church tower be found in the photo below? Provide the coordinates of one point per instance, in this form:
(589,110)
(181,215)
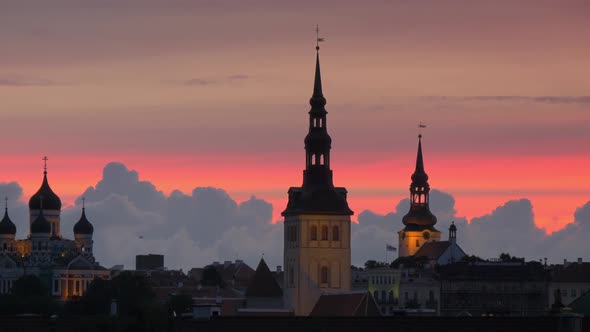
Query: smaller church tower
(453,233)
(7,232)
(419,221)
(52,205)
(83,231)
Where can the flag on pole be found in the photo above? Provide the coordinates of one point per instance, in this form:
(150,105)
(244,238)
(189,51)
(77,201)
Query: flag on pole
(389,247)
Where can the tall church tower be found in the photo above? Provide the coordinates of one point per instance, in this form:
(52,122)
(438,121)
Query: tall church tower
(419,220)
(317,220)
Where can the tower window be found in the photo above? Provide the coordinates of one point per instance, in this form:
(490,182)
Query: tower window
(322,162)
(324,275)
(335,233)
(314,233)
(324,233)
(291,276)
(417,243)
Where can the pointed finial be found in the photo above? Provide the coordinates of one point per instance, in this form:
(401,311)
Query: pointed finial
(6,203)
(45,164)
(83,203)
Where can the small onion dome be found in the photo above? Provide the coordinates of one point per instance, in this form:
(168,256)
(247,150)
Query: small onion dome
(83,226)
(453,227)
(6,225)
(40,225)
(50,200)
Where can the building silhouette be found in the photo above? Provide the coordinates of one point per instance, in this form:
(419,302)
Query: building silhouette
(317,220)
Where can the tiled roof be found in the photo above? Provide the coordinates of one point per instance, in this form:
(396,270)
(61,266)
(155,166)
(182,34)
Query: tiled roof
(432,250)
(263,283)
(351,304)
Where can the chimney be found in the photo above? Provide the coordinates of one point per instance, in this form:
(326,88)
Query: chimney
(580,260)
(226,264)
(239,261)
(279,269)
(215,263)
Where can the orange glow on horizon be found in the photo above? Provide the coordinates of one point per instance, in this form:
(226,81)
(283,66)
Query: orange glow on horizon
(478,184)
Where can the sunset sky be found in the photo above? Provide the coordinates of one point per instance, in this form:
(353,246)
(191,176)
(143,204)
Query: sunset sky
(215,93)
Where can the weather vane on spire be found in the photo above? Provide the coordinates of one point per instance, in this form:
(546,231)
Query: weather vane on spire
(420,126)
(318,39)
(45,163)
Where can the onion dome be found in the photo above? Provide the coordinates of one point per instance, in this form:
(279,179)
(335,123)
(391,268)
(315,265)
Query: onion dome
(83,226)
(40,225)
(50,200)
(6,225)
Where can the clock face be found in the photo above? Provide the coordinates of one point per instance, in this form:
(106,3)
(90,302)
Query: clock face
(426,235)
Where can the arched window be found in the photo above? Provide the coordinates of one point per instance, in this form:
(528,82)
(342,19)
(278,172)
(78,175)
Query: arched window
(335,233)
(324,275)
(314,233)
(324,233)
(417,243)
(321,159)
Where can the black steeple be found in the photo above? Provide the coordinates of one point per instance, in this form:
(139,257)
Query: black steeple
(419,214)
(83,226)
(317,142)
(317,194)
(7,227)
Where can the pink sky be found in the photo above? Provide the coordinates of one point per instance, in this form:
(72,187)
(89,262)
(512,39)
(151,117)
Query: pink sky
(214,93)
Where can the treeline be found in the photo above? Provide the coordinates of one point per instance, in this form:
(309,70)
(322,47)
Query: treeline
(135,300)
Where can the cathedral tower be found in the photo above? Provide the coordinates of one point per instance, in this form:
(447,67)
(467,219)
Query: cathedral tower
(317,220)
(83,231)
(419,221)
(51,205)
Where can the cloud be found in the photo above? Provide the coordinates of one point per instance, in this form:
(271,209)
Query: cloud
(238,77)
(508,228)
(21,81)
(530,99)
(131,217)
(198,82)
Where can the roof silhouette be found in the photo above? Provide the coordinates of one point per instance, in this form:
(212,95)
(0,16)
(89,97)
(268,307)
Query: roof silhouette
(263,283)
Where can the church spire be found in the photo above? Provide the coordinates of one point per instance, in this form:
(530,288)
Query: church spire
(420,177)
(419,214)
(318,142)
(317,193)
